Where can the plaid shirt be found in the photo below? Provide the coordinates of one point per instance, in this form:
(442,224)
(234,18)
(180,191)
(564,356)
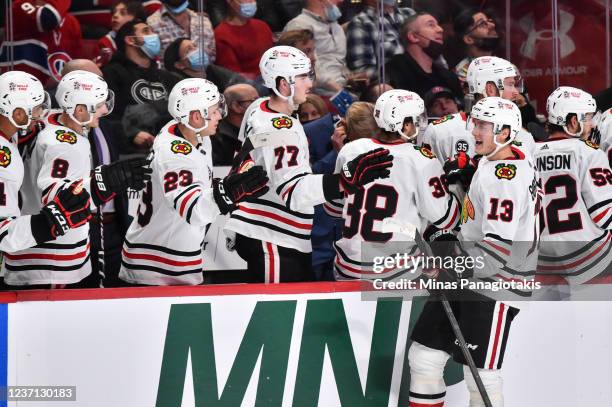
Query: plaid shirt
(363,38)
(169,30)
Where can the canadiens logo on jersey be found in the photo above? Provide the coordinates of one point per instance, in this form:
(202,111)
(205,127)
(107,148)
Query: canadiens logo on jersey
(505,171)
(425,151)
(282,122)
(180,147)
(5,157)
(467,210)
(66,136)
(443,119)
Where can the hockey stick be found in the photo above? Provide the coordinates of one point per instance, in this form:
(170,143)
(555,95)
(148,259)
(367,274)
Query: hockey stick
(412,233)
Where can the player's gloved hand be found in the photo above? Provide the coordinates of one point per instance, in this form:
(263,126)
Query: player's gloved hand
(108,180)
(68,210)
(238,187)
(443,244)
(365,168)
(459,169)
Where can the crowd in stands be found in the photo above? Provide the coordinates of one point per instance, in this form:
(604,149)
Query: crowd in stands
(142,48)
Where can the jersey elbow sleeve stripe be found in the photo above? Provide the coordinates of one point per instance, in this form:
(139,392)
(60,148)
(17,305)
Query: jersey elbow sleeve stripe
(450,218)
(282,189)
(193,195)
(332,210)
(182,194)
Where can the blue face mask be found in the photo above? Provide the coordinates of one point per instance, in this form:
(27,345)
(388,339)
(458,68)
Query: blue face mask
(248,10)
(151,46)
(390,2)
(332,13)
(179,9)
(197,59)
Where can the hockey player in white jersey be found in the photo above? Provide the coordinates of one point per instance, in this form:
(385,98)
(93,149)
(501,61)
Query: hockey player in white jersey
(23,100)
(163,245)
(577,184)
(486,76)
(273,232)
(62,154)
(602,134)
(414,193)
(500,219)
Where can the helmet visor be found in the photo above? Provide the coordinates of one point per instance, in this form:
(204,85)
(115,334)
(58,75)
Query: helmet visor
(41,111)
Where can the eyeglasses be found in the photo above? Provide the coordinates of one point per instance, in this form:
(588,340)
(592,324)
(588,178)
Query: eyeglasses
(481,24)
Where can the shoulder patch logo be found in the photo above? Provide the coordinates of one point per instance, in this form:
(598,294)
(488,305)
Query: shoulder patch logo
(467,209)
(64,136)
(180,147)
(425,151)
(505,171)
(283,122)
(591,144)
(517,143)
(442,119)
(5,156)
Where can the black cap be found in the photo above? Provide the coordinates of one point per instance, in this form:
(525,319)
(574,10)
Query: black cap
(436,92)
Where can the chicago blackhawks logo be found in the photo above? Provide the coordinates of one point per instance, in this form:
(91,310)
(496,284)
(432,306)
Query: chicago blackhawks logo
(591,144)
(180,147)
(66,136)
(5,157)
(505,171)
(467,210)
(282,122)
(443,119)
(425,151)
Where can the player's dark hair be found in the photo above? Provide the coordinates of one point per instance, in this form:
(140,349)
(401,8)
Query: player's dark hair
(555,128)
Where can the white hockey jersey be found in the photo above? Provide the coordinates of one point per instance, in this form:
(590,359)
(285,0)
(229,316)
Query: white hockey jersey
(163,245)
(451,134)
(577,185)
(413,194)
(58,157)
(604,128)
(500,224)
(15,230)
(283,216)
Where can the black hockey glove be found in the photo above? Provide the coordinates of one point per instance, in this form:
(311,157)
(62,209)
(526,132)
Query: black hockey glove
(238,187)
(108,180)
(365,168)
(443,245)
(459,170)
(68,210)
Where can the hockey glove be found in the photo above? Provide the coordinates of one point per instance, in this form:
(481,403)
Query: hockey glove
(114,178)
(68,210)
(459,170)
(238,187)
(364,169)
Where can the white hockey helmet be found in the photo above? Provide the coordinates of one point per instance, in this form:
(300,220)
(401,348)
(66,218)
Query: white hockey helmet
(603,127)
(491,69)
(285,62)
(500,112)
(567,100)
(20,90)
(194,94)
(83,88)
(396,105)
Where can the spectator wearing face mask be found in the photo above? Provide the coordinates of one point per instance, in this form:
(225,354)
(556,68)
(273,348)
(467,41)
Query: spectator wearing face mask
(477,32)
(121,12)
(418,68)
(141,89)
(241,39)
(176,20)
(185,59)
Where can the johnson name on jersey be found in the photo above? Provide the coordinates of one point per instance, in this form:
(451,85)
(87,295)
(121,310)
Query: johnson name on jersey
(282,216)
(413,194)
(163,245)
(58,156)
(500,224)
(577,209)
